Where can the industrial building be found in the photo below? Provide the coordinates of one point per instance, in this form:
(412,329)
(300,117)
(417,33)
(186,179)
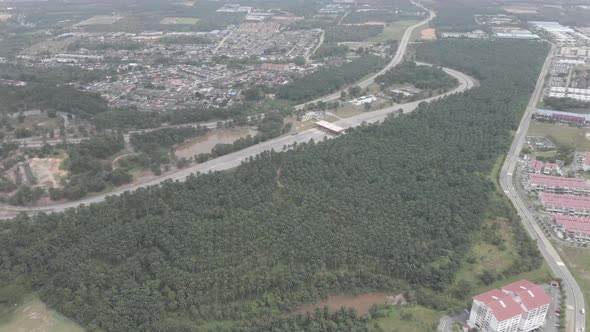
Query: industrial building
(558,184)
(518,307)
(573,93)
(574,118)
(571,227)
(566,204)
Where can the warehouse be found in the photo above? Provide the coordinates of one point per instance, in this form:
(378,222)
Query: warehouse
(575,118)
(566,204)
(558,184)
(330,127)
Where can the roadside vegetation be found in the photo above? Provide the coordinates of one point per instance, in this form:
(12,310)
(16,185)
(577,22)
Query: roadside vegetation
(366,211)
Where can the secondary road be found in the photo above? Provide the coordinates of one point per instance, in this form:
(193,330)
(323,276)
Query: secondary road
(236,158)
(575,320)
(397,58)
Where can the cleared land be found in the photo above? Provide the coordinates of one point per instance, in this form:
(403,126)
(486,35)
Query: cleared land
(34,315)
(100,20)
(564,135)
(179,20)
(361,303)
(520,10)
(428,34)
(578,260)
(408,319)
(393,30)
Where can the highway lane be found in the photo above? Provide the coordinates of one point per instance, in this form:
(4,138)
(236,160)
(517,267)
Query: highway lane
(575,320)
(234,159)
(397,58)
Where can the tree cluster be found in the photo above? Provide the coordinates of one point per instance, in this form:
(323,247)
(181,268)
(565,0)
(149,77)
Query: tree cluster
(422,77)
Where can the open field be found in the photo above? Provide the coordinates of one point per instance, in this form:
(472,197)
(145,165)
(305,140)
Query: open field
(393,30)
(563,135)
(578,260)
(408,319)
(34,315)
(428,34)
(179,20)
(100,20)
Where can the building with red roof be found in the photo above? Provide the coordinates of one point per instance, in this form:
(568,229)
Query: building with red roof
(566,204)
(558,184)
(576,228)
(536,166)
(518,307)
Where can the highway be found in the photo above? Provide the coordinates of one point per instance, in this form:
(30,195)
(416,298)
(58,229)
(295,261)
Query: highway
(234,159)
(397,58)
(575,320)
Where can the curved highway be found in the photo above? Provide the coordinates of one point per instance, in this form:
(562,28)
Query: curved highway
(575,319)
(397,58)
(235,158)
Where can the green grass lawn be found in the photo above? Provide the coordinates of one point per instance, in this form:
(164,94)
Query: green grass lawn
(408,319)
(578,261)
(564,135)
(393,30)
(179,20)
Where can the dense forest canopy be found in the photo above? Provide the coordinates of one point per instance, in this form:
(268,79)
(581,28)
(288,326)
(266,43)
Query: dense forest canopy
(384,207)
(422,77)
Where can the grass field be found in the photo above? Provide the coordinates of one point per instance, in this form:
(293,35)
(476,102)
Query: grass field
(578,261)
(179,20)
(393,30)
(563,135)
(34,315)
(100,20)
(408,319)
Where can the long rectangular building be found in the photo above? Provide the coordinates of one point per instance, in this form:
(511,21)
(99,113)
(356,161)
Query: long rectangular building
(576,228)
(567,204)
(558,184)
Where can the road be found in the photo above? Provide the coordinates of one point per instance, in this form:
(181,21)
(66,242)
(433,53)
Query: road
(575,321)
(234,159)
(397,58)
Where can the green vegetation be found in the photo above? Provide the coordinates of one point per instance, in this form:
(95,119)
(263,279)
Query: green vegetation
(567,104)
(458,15)
(330,79)
(578,261)
(179,20)
(414,318)
(97,46)
(185,40)
(559,134)
(33,315)
(343,33)
(393,31)
(365,211)
(422,77)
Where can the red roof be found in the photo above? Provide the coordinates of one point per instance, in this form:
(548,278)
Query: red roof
(558,181)
(531,295)
(489,296)
(505,308)
(566,201)
(573,224)
(587,158)
(537,165)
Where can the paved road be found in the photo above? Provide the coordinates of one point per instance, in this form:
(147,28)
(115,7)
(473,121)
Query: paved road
(398,57)
(575,321)
(234,159)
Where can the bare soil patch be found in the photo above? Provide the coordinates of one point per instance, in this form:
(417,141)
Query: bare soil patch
(428,34)
(361,303)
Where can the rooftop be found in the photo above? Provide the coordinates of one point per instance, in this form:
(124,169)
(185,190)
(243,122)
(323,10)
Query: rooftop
(558,181)
(531,295)
(573,224)
(566,201)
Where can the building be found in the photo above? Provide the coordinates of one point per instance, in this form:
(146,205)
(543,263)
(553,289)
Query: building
(330,127)
(551,169)
(518,307)
(536,166)
(586,161)
(363,100)
(550,115)
(566,204)
(558,184)
(570,227)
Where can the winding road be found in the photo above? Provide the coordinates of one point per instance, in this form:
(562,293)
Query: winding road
(234,159)
(575,319)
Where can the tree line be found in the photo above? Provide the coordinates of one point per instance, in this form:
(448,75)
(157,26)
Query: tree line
(390,206)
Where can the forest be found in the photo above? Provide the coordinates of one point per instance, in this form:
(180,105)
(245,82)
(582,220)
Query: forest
(389,206)
(422,77)
(567,104)
(330,79)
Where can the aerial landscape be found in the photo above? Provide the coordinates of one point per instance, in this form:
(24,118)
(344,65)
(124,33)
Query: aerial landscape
(294,165)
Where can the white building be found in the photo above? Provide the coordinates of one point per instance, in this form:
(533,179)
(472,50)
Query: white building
(519,307)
